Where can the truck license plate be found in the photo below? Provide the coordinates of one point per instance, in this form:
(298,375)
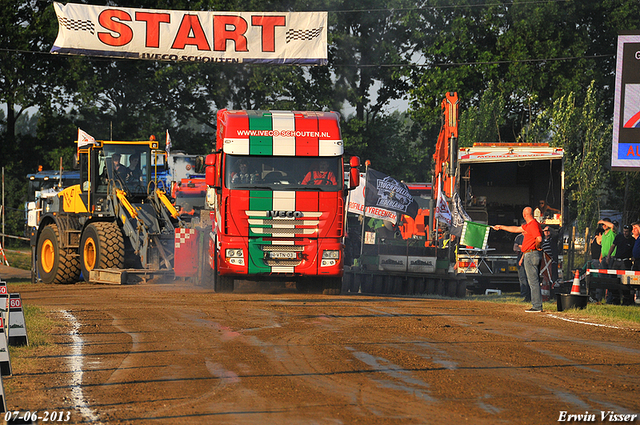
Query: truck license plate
(288,255)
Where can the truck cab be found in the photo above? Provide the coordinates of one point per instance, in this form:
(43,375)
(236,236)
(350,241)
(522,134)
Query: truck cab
(277,198)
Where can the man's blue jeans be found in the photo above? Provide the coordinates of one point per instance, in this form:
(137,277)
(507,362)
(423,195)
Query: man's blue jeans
(531,264)
(525,291)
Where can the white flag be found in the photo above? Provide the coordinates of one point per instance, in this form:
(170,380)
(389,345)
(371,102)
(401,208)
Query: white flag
(84,139)
(442,208)
(168,144)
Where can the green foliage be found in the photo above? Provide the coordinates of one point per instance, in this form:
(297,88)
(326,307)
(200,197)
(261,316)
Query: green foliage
(482,123)
(587,142)
(522,71)
(393,144)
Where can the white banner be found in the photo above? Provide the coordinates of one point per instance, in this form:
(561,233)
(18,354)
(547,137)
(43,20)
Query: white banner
(235,37)
(356,204)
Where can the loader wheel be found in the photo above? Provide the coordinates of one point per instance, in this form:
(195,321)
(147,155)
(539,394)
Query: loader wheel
(55,265)
(102,247)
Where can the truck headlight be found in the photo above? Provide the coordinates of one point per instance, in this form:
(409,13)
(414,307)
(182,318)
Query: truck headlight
(330,254)
(329,258)
(234,256)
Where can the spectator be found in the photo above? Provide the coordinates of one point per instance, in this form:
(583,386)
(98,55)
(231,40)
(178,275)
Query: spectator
(607,241)
(544,210)
(623,247)
(635,231)
(596,248)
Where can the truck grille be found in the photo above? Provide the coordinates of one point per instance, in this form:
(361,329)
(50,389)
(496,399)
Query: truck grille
(283,248)
(288,263)
(262,224)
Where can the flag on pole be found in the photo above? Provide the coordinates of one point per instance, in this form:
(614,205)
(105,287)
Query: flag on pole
(442,208)
(458,215)
(84,139)
(475,234)
(168,144)
(389,194)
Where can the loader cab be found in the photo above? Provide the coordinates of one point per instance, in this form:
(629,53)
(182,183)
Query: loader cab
(126,167)
(114,165)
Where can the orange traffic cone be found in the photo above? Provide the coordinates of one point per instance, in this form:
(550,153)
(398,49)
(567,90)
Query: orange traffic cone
(575,289)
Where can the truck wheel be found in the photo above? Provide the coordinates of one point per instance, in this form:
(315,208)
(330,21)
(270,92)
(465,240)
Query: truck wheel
(101,247)
(55,265)
(332,285)
(224,284)
(310,285)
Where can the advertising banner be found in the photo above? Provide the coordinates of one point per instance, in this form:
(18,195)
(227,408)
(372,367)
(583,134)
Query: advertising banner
(625,153)
(356,204)
(192,36)
(389,194)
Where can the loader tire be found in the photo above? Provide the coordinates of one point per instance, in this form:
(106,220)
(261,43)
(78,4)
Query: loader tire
(55,265)
(101,247)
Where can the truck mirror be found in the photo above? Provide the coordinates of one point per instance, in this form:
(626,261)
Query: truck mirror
(354,173)
(210,171)
(76,161)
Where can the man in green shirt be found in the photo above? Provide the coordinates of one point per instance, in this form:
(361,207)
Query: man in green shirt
(607,241)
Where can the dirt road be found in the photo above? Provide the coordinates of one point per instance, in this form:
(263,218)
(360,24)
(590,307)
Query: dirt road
(174,353)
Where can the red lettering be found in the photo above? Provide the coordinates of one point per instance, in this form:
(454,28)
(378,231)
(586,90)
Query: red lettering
(191,25)
(221,34)
(630,151)
(153,21)
(107,20)
(268,24)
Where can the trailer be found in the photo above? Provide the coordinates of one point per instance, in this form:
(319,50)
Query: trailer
(496,182)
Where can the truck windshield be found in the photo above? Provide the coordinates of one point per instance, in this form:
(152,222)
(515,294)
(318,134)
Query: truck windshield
(283,173)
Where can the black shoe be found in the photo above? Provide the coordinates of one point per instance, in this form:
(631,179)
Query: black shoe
(533,310)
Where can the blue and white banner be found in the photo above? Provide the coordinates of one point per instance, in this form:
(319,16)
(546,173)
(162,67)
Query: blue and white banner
(192,36)
(389,194)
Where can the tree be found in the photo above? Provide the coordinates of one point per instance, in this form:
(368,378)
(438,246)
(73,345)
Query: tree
(28,77)
(586,138)
(532,53)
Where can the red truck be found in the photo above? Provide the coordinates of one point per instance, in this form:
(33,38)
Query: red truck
(276,199)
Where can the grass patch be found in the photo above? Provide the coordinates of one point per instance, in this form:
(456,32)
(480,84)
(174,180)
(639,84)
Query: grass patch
(608,314)
(617,315)
(39,326)
(20,259)
(40,330)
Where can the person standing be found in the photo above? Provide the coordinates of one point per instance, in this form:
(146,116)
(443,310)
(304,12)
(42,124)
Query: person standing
(596,249)
(623,247)
(635,231)
(525,291)
(607,241)
(531,244)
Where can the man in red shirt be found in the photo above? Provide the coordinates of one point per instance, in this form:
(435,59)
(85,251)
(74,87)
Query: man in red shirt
(323,176)
(531,256)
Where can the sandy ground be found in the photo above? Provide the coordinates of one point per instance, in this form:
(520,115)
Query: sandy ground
(174,353)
